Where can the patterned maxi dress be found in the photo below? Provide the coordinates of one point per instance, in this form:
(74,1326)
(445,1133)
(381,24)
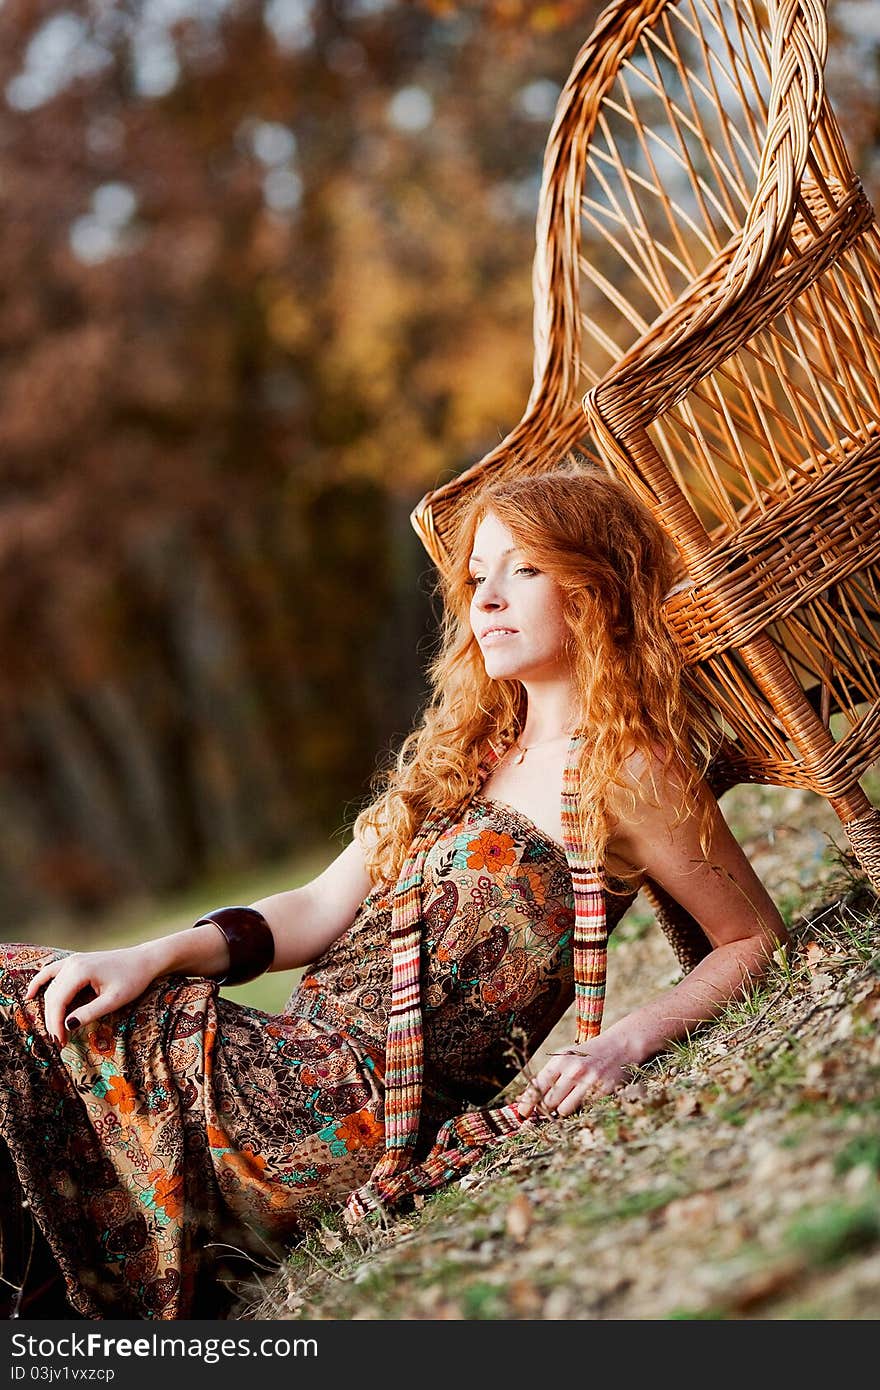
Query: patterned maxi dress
(186,1120)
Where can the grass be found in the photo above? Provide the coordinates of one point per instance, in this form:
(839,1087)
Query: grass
(589,1211)
(828,1234)
(600,1230)
(662,1215)
(483,1301)
(695,1314)
(862,1150)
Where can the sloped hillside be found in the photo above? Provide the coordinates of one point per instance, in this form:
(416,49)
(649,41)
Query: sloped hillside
(737,1176)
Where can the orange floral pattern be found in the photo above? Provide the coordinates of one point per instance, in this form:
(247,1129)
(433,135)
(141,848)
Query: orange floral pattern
(120,1094)
(531,884)
(167,1192)
(361,1130)
(491,851)
(187,1123)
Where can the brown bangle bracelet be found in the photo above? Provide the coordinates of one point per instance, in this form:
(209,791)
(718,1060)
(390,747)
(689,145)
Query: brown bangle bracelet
(249,938)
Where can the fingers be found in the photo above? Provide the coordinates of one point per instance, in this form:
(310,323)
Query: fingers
(562,1086)
(86,1007)
(534,1096)
(67,1004)
(559,1092)
(71,1000)
(576,1097)
(43,976)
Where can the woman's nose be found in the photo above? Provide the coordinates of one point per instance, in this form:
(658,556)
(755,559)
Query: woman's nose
(489,596)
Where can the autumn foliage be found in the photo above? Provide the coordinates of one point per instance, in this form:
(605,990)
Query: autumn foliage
(265,280)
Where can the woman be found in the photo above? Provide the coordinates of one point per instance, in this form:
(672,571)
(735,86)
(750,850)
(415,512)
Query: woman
(149,1119)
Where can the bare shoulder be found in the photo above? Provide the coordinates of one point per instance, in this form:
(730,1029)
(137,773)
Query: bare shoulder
(659,802)
(661,830)
(654,780)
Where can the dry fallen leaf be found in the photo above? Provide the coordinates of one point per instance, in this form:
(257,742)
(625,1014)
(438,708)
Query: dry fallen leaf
(447,1311)
(693,1213)
(762,1285)
(859,1179)
(635,1093)
(687,1104)
(657,1096)
(430,1299)
(518,1218)
(821,1068)
(330,1240)
(294,1299)
(738,1081)
(867,1000)
(770,1162)
(525,1300)
(558,1305)
(842,1027)
(818,1077)
(816,956)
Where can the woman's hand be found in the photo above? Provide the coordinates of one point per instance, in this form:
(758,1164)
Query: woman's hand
(81,987)
(581,1072)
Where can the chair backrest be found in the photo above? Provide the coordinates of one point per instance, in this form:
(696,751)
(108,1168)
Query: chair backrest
(673,117)
(746,413)
(728,237)
(707,272)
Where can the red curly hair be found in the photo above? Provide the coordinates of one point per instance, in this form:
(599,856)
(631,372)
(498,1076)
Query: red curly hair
(614,565)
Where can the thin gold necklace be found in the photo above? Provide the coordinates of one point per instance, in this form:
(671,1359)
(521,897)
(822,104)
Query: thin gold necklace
(542,744)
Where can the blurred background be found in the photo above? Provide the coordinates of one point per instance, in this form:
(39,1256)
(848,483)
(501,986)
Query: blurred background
(264,281)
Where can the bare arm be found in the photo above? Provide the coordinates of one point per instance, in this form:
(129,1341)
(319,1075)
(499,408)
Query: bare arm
(303,921)
(724,895)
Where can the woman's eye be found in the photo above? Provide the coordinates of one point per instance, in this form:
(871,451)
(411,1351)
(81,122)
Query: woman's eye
(476,579)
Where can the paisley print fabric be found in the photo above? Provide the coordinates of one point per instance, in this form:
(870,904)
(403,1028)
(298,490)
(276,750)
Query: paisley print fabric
(187,1122)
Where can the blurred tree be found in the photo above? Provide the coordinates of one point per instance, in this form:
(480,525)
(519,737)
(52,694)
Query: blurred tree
(265,279)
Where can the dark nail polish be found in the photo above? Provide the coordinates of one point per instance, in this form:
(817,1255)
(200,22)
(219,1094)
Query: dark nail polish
(72,1025)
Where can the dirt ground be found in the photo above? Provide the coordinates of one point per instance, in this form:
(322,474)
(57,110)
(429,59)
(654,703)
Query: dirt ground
(738,1176)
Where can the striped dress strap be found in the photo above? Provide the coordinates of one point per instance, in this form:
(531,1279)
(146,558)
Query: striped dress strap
(590,925)
(465,1138)
(404,1056)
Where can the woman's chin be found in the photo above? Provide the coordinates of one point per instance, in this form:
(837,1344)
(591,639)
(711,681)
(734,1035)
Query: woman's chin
(499,668)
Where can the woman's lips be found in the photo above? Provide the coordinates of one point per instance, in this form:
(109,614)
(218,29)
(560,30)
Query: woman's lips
(495,636)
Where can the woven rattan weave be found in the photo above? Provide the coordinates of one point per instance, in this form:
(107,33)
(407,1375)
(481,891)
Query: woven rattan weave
(707,326)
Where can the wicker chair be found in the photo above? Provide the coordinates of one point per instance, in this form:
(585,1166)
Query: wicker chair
(708,273)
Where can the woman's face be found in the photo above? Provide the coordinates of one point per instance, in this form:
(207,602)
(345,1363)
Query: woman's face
(516,610)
